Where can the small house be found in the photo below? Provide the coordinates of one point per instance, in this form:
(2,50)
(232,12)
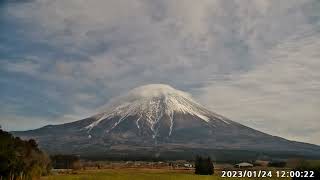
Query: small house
(187,165)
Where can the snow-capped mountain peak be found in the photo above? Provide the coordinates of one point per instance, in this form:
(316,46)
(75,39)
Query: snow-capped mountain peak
(152,103)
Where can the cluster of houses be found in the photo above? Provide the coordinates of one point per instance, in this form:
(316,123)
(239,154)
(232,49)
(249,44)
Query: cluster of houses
(160,164)
(74,162)
(178,164)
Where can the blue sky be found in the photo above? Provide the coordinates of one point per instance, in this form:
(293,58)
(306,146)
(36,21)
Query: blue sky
(256,62)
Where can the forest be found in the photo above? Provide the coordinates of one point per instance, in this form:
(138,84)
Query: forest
(21,159)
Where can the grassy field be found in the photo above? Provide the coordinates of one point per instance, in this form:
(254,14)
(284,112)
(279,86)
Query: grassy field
(137,174)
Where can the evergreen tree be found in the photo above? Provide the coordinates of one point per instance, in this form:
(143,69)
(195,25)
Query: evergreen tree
(210,166)
(198,165)
(203,166)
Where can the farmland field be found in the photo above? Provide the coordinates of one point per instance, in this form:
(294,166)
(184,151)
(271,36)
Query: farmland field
(137,174)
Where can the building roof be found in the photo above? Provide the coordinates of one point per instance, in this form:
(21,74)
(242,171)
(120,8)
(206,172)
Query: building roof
(244,164)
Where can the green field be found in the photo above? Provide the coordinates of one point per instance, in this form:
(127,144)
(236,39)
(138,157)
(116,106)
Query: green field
(137,174)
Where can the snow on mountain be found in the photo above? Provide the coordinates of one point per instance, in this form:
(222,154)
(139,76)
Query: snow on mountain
(151,103)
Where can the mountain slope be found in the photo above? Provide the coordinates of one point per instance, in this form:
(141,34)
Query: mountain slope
(154,107)
(158,118)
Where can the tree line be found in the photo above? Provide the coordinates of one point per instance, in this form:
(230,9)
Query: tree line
(21,159)
(63,161)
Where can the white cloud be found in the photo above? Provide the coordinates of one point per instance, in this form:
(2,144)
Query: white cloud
(222,47)
(280,97)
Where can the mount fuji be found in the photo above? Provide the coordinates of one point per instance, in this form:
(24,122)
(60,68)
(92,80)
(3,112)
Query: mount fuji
(158,120)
